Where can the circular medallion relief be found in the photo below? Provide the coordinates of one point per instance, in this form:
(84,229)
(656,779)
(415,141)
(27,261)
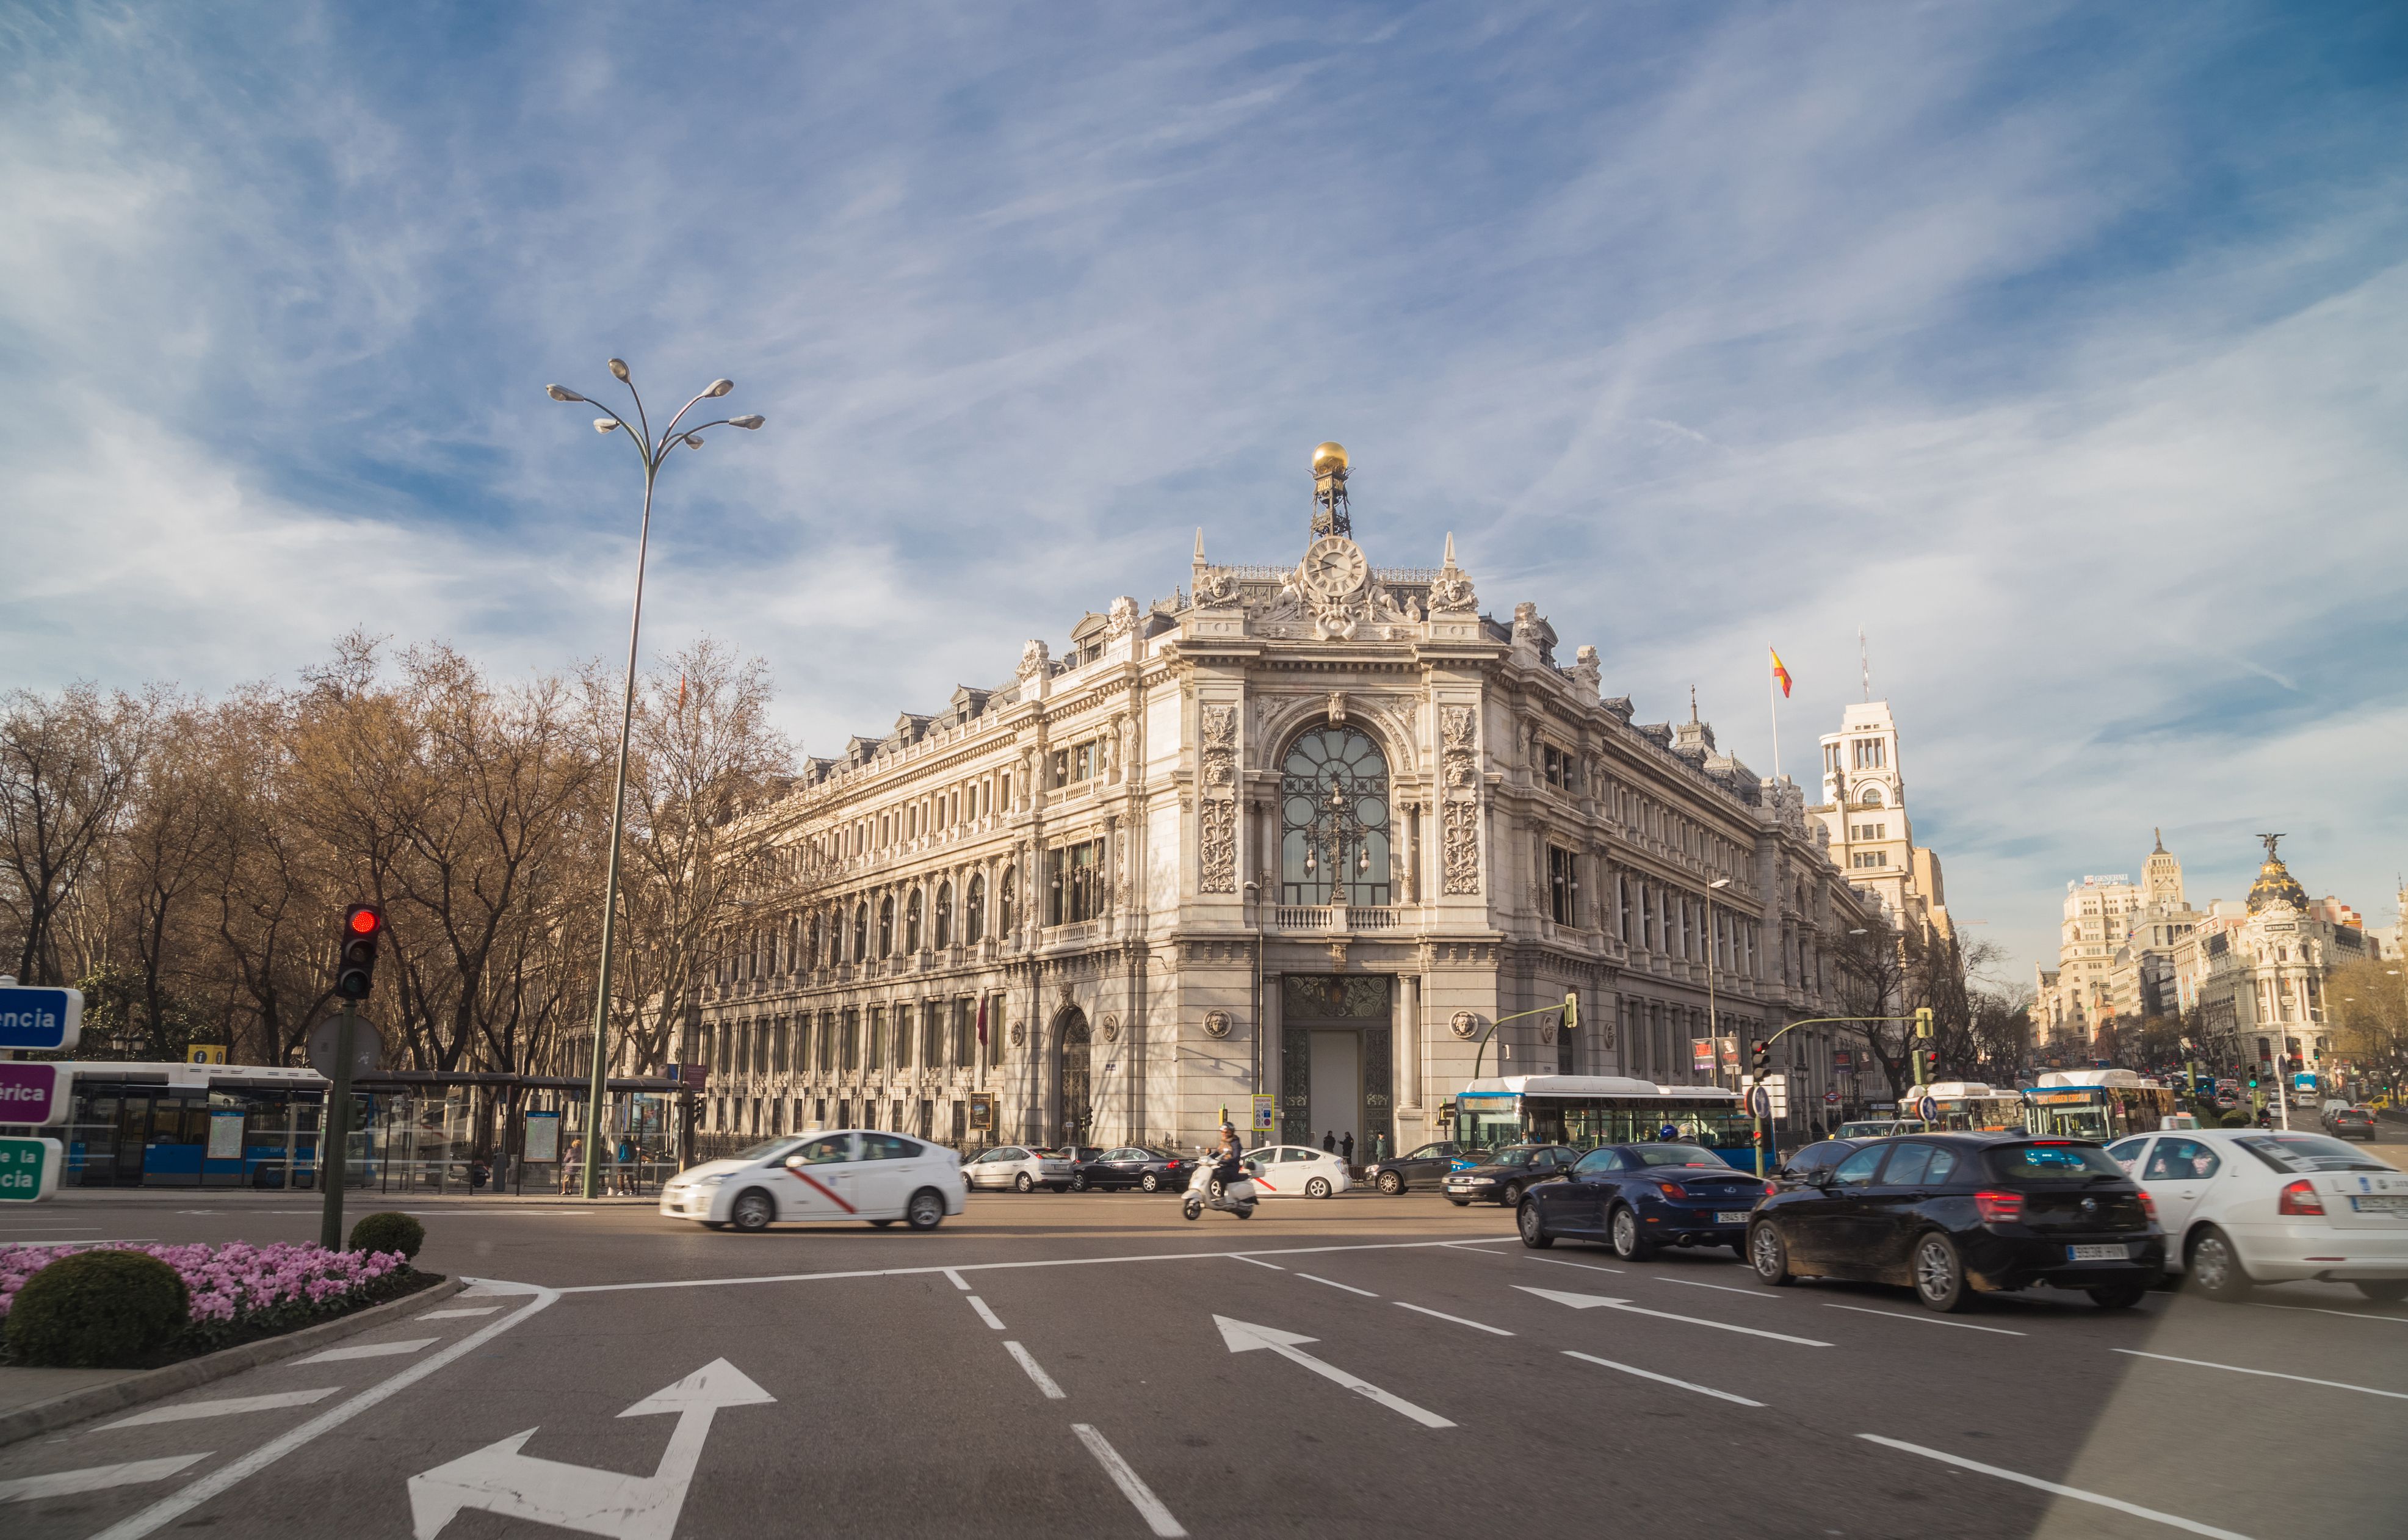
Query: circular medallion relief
(1019,1033)
(1216,1024)
(1464,1024)
(1111,1028)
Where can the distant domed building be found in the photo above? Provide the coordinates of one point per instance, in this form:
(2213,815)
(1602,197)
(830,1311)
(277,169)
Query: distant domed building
(2257,975)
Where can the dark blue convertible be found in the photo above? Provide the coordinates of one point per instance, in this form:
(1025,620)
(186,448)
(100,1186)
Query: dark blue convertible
(1637,1197)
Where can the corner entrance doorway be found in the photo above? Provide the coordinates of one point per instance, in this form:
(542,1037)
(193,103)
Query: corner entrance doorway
(1335,1069)
(1078,1098)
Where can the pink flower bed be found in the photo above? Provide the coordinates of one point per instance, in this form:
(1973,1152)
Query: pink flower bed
(230,1282)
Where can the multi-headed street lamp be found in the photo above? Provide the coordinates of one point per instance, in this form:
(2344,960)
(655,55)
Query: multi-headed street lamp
(652,451)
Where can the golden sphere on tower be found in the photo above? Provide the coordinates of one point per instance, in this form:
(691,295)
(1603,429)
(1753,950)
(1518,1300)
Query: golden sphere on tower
(1328,458)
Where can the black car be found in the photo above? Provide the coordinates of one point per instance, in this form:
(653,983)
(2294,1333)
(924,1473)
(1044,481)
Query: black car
(2351,1123)
(1639,1196)
(1426,1166)
(1131,1166)
(1948,1215)
(1502,1176)
(1822,1155)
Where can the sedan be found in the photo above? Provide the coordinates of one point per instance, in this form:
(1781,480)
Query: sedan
(862,1175)
(1019,1168)
(2246,1206)
(1637,1197)
(1131,1166)
(1428,1165)
(1296,1170)
(1821,1156)
(1953,1214)
(1502,1176)
(2350,1123)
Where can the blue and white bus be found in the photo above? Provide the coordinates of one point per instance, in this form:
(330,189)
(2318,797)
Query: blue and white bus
(1588,1110)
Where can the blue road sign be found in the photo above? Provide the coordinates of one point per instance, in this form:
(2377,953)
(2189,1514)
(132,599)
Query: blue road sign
(1929,1108)
(40,1018)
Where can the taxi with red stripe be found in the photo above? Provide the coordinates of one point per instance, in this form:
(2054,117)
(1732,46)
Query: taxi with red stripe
(826,1176)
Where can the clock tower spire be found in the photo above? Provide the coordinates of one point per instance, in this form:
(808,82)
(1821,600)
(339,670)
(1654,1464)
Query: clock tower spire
(1330,513)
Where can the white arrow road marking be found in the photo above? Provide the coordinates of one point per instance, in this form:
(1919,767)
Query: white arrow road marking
(499,1479)
(226,1407)
(1244,1337)
(1662,1379)
(373,1350)
(1598,1301)
(1140,1496)
(2268,1373)
(24,1488)
(2075,1492)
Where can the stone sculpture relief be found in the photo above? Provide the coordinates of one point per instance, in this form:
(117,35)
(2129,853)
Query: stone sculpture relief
(1460,821)
(1217,852)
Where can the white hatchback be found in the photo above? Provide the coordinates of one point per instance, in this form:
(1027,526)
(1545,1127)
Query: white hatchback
(822,1177)
(2243,1206)
(1019,1168)
(1296,1170)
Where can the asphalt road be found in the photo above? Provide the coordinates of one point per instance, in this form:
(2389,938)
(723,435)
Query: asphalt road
(1094,1365)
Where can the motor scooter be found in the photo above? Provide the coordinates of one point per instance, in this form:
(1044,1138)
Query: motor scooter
(1203,1192)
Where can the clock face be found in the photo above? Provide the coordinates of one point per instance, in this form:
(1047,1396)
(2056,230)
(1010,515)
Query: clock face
(1333,565)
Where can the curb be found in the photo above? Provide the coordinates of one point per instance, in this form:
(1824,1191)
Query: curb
(158,1384)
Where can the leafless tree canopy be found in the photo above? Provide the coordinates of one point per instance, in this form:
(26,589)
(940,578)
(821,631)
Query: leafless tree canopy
(186,861)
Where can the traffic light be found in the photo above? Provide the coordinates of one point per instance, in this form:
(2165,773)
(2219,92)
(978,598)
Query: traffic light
(1763,1052)
(355,975)
(2253,1080)
(1922,1021)
(1572,1010)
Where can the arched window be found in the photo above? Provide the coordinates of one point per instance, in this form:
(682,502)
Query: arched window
(1871,798)
(1007,917)
(861,932)
(1334,819)
(912,930)
(886,926)
(974,913)
(944,916)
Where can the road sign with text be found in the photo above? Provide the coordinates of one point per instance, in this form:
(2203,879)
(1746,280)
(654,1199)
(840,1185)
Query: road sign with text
(39,1018)
(29,1170)
(35,1093)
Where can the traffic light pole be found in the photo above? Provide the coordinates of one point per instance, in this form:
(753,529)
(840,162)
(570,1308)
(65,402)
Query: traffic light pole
(333,1133)
(1568,1007)
(1764,1051)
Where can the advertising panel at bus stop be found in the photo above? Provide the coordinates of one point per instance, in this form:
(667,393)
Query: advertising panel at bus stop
(40,1019)
(29,1170)
(35,1094)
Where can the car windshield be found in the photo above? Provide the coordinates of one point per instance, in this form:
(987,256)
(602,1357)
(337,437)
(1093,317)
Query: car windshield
(2053,1162)
(1519,1156)
(1677,1155)
(2305,1152)
(765,1151)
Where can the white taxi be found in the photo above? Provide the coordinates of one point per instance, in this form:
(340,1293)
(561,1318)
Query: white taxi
(2243,1206)
(1019,1168)
(1296,1170)
(823,1177)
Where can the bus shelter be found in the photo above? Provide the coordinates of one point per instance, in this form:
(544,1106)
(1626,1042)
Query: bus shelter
(468,1132)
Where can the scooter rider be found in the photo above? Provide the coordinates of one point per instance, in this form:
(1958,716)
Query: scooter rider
(1229,1159)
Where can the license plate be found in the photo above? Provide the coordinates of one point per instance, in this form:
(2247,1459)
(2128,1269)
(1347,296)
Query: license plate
(1731,1216)
(2096,1253)
(2392,1204)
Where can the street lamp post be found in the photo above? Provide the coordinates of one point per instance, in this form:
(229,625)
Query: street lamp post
(1714,1026)
(652,451)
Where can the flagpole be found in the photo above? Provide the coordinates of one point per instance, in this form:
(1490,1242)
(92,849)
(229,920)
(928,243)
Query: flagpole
(1772,696)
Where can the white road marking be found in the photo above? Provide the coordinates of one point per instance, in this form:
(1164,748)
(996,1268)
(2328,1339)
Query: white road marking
(1335,1284)
(2319,1310)
(1259,1262)
(27,1488)
(464,1312)
(226,1407)
(176,1504)
(1692,1282)
(1661,1379)
(1036,1371)
(958,1281)
(371,1350)
(1477,1325)
(1926,1320)
(2075,1492)
(1598,1301)
(1140,1496)
(112,1240)
(1585,1267)
(499,1479)
(984,1314)
(2269,1374)
(1245,1337)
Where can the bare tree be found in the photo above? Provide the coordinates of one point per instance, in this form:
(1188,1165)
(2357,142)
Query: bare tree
(1873,982)
(66,766)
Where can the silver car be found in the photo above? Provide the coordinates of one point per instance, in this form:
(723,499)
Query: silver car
(1019,1168)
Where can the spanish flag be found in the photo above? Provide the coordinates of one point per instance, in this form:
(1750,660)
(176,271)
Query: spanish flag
(1779,675)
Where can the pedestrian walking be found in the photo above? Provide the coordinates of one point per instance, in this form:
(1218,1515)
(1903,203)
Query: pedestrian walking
(1329,1142)
(1346,1147)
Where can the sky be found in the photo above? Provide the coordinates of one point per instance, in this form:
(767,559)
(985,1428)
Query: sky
(2059,348)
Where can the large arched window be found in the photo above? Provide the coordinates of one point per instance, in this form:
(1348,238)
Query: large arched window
(911,929)
(1006,915)
(1873,797)
(860,932)
(974,913)
(886,926)
(944,916)
(1334,819)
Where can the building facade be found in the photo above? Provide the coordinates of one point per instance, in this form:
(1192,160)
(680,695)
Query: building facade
(2256,973)
(2141,974)
(1300,831)
(1864,813)
(2070,1002)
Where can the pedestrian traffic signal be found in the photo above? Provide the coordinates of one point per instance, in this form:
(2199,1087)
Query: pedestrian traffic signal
(355,975)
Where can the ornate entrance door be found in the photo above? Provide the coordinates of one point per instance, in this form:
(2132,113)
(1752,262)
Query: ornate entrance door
(1078,1100)
(1312,1074)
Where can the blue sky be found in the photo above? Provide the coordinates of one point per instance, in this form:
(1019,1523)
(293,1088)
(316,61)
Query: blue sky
(2058,347)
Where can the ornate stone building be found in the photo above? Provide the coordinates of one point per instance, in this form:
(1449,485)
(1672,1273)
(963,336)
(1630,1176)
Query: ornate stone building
(1302,830)
(2257,975)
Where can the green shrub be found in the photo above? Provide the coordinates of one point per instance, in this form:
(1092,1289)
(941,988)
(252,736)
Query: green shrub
(97,1310)
(2236,1118)
(389,1232)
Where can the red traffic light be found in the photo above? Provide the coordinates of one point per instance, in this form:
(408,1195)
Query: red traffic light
(365,921)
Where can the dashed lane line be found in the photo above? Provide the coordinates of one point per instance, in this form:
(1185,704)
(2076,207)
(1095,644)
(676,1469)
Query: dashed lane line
(1310,1277)
(1585,1267)
(1036,1371)
(1157,1517)
(1926,1320)
(2173,1520)
(1661,1379)
(1692,1282)
(226,1406)
(1477,1325)
(1259,1262)
(958,1281)
(371,1350)
(993,1320)
(28,1489)
(2268,1373)
(2320,1310)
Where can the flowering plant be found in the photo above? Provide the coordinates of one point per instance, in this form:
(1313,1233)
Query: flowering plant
(238,1286)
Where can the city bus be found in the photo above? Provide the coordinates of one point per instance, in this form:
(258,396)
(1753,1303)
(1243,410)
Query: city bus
(1969,1106)
(2100,1104)
(1586,1111)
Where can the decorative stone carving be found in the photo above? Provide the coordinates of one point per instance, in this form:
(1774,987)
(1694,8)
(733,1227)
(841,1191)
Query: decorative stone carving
(1218,590)
(1547,1028)
(1111,1028)
(1121,619)
(1338,705)
(1464,1025)
(1019,1033)
(1459,769)
(1216,1024)
(1218,855)
(1217,852)
(1587,672)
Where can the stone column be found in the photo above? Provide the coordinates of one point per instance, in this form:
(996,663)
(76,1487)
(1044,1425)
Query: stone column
(1409,1045)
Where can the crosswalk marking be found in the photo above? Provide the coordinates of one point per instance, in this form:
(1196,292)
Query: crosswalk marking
(230,1405)
(25,1488)
(371,1350)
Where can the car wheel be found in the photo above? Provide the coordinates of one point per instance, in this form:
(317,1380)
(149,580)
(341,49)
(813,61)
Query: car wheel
(1149,1183)
(926,1211)
(1024,1183)
(1317,1188)
(2122,1296)
(1534,1233)
(1391,1184)
(2383,1291)
(1768,1254)
(752,1211)
(2214,1267)
(1079,1182)
(1940,1274)
(1511,1195)
(1629,1243)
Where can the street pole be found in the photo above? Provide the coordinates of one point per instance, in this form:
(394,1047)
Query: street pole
(653,452)
(334,1134)
(1713,1023)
